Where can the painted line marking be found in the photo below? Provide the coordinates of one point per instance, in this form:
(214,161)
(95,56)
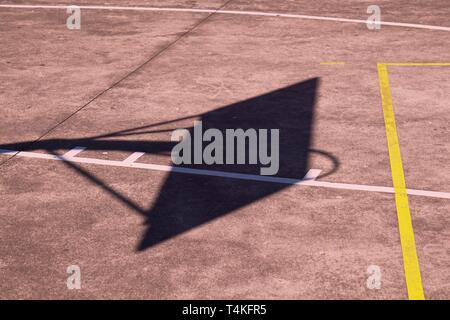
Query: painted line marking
(74,152)
(312,174)
(241,176)
(331,63)
(410,260)
(134,156)
(418,64)
(250,13)
(8,152)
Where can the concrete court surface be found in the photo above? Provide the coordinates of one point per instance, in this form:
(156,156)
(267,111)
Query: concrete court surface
(128,78)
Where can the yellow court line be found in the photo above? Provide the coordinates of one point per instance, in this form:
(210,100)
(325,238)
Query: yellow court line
(410,260)
(333,63)
(418,64)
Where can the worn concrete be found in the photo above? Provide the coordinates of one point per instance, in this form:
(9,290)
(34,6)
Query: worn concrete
(276,243)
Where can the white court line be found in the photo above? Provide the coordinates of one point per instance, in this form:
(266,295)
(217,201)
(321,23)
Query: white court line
(133,157)
(241,176)
(312,174)
(249,13)
(73,152)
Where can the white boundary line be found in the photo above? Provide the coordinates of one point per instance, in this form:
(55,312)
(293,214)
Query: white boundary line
(249,13)
(133,157)
(312,174)
(72,153)
(309,179)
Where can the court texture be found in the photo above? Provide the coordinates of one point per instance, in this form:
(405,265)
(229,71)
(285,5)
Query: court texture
(358,210)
